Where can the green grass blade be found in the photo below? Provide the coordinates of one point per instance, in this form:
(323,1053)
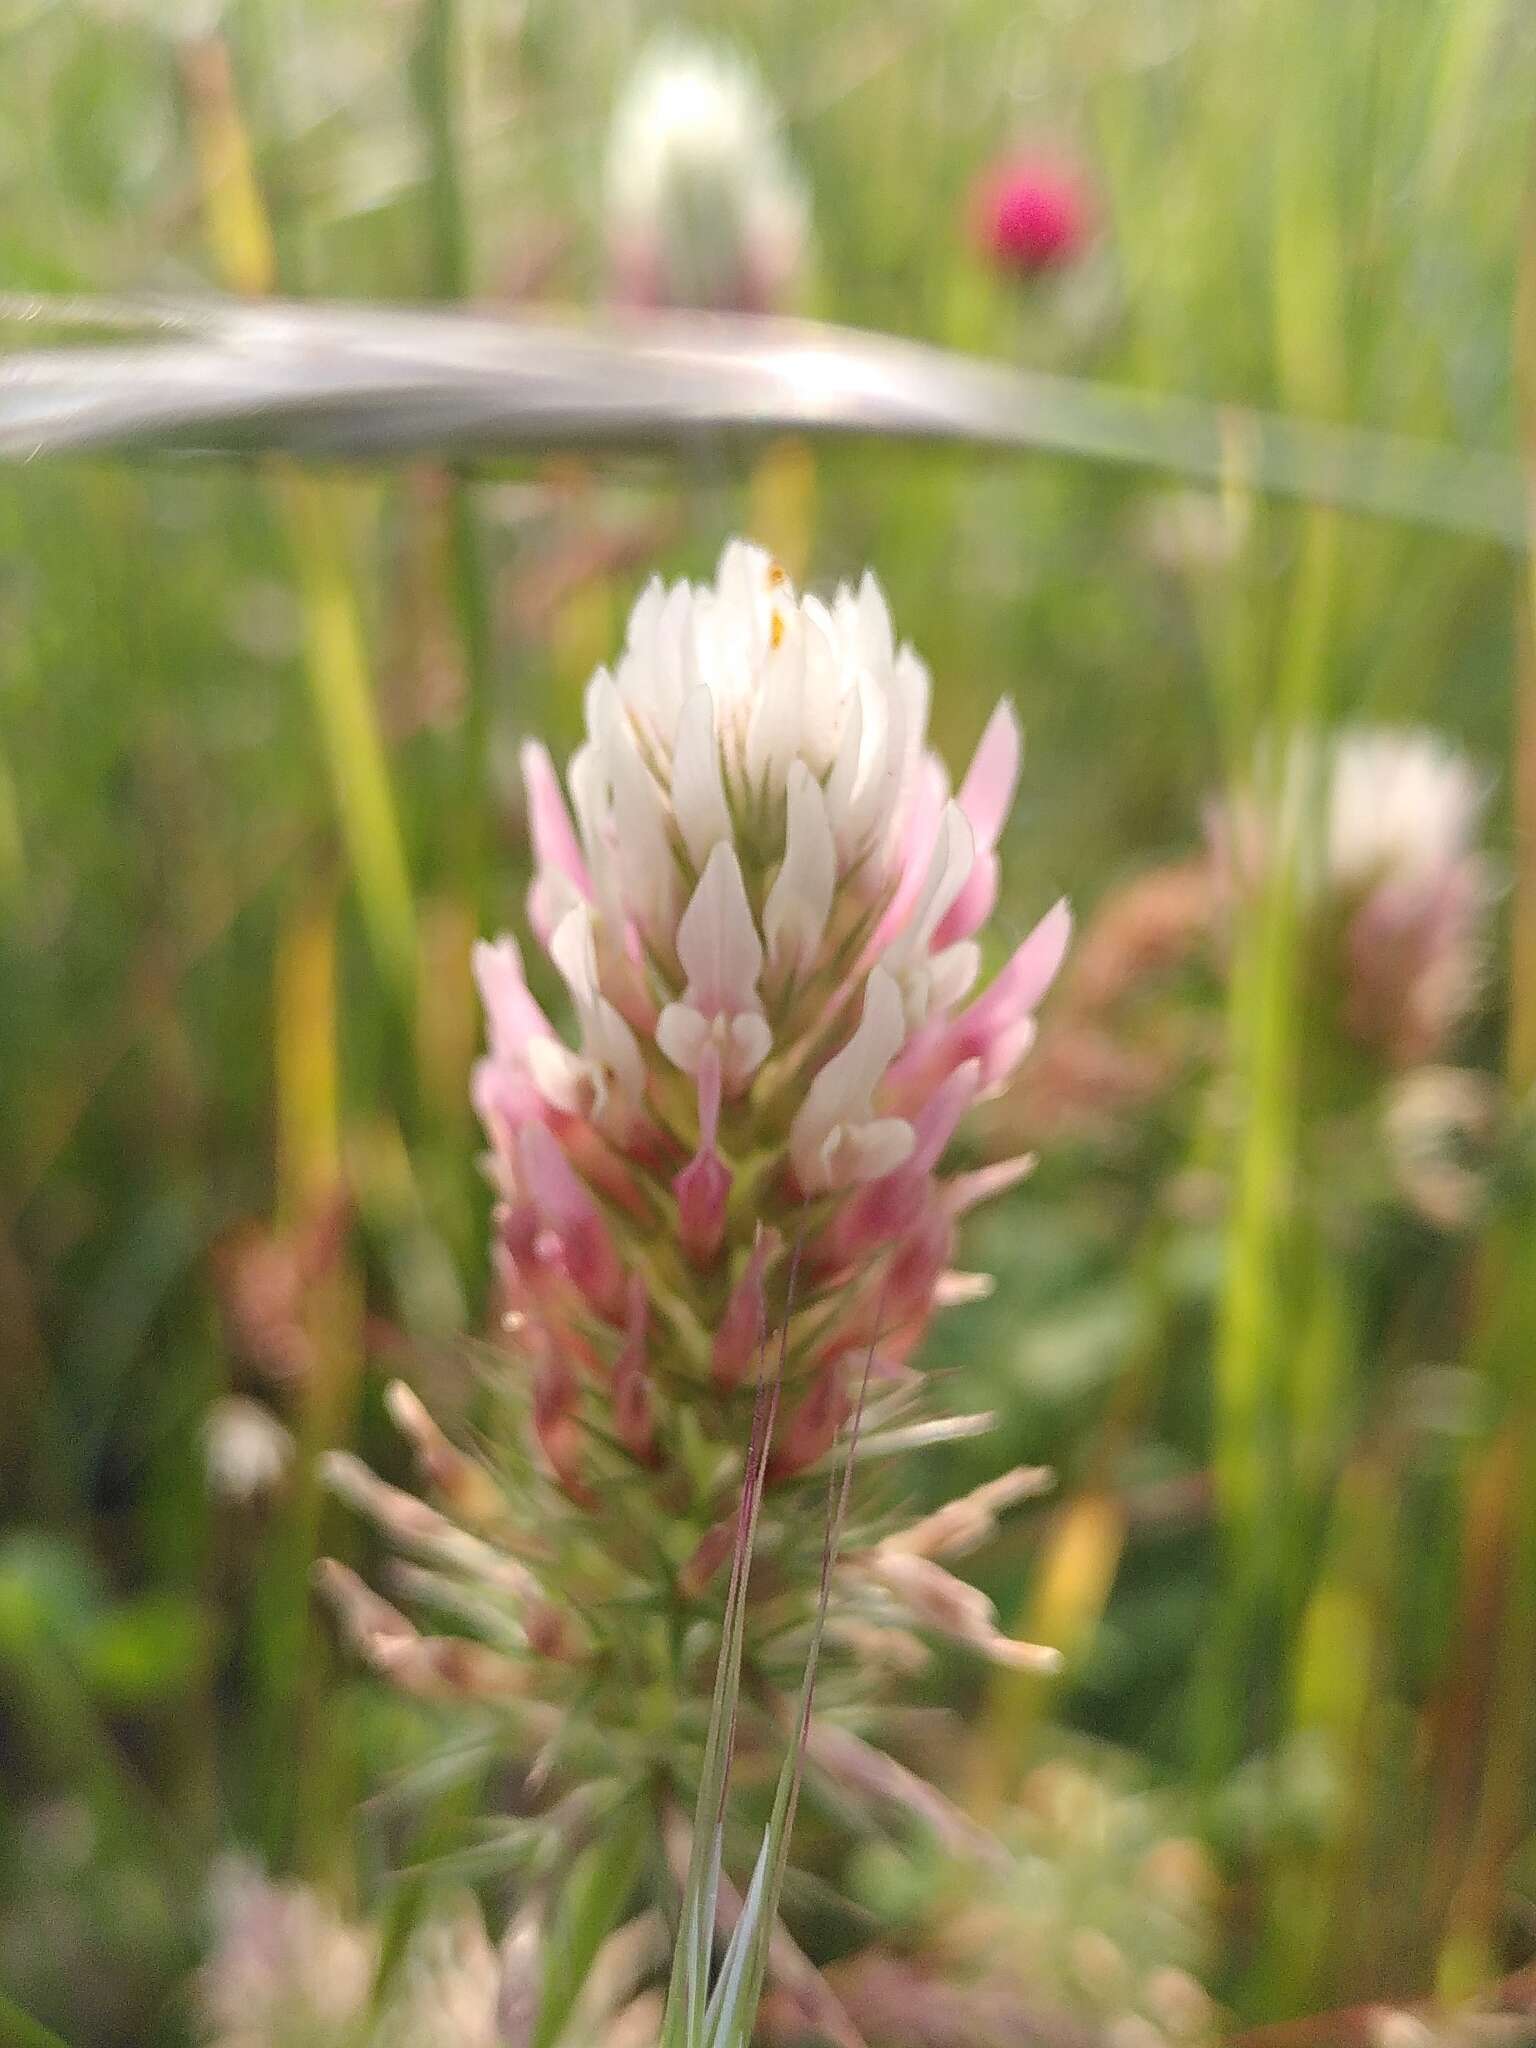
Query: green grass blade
(596,1891)
(687,1993)
(356,756)
(733,2009)
(330,384)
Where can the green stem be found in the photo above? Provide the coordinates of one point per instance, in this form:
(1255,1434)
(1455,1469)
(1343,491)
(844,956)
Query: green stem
(438,72)
(435,78)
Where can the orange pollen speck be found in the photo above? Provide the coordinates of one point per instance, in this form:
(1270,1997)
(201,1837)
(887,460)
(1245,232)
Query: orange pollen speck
(776,575)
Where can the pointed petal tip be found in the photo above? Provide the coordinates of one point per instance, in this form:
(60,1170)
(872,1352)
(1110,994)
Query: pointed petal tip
(993,777)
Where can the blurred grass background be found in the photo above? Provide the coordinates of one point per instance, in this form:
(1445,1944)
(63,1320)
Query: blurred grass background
(257,793)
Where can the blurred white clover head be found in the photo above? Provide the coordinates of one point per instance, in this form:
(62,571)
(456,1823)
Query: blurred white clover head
(702,205)
(1381,828)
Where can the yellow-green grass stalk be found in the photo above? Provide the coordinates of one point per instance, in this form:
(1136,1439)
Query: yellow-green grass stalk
(301,1792)
(316,511)
(13,860)
(1468,46)
(1484,1834)
(1503,1478)
(1259,1326)
(1265,1278)
(1342,1666)
(441,74)
(1203,307)
(1065,1607)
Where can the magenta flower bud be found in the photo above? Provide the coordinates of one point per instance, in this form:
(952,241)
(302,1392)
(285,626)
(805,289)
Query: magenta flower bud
(812,1429)
(703,1187)
(561,1437)
(633,1409)
(741,1339)
(714,1547)
(702,1190)
(895,1205)
(1031,214)
(573,1219)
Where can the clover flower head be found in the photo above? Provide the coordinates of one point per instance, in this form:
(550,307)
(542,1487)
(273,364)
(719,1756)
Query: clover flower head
(763,902)
(1381,828)
(702,205)
(723,1181)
